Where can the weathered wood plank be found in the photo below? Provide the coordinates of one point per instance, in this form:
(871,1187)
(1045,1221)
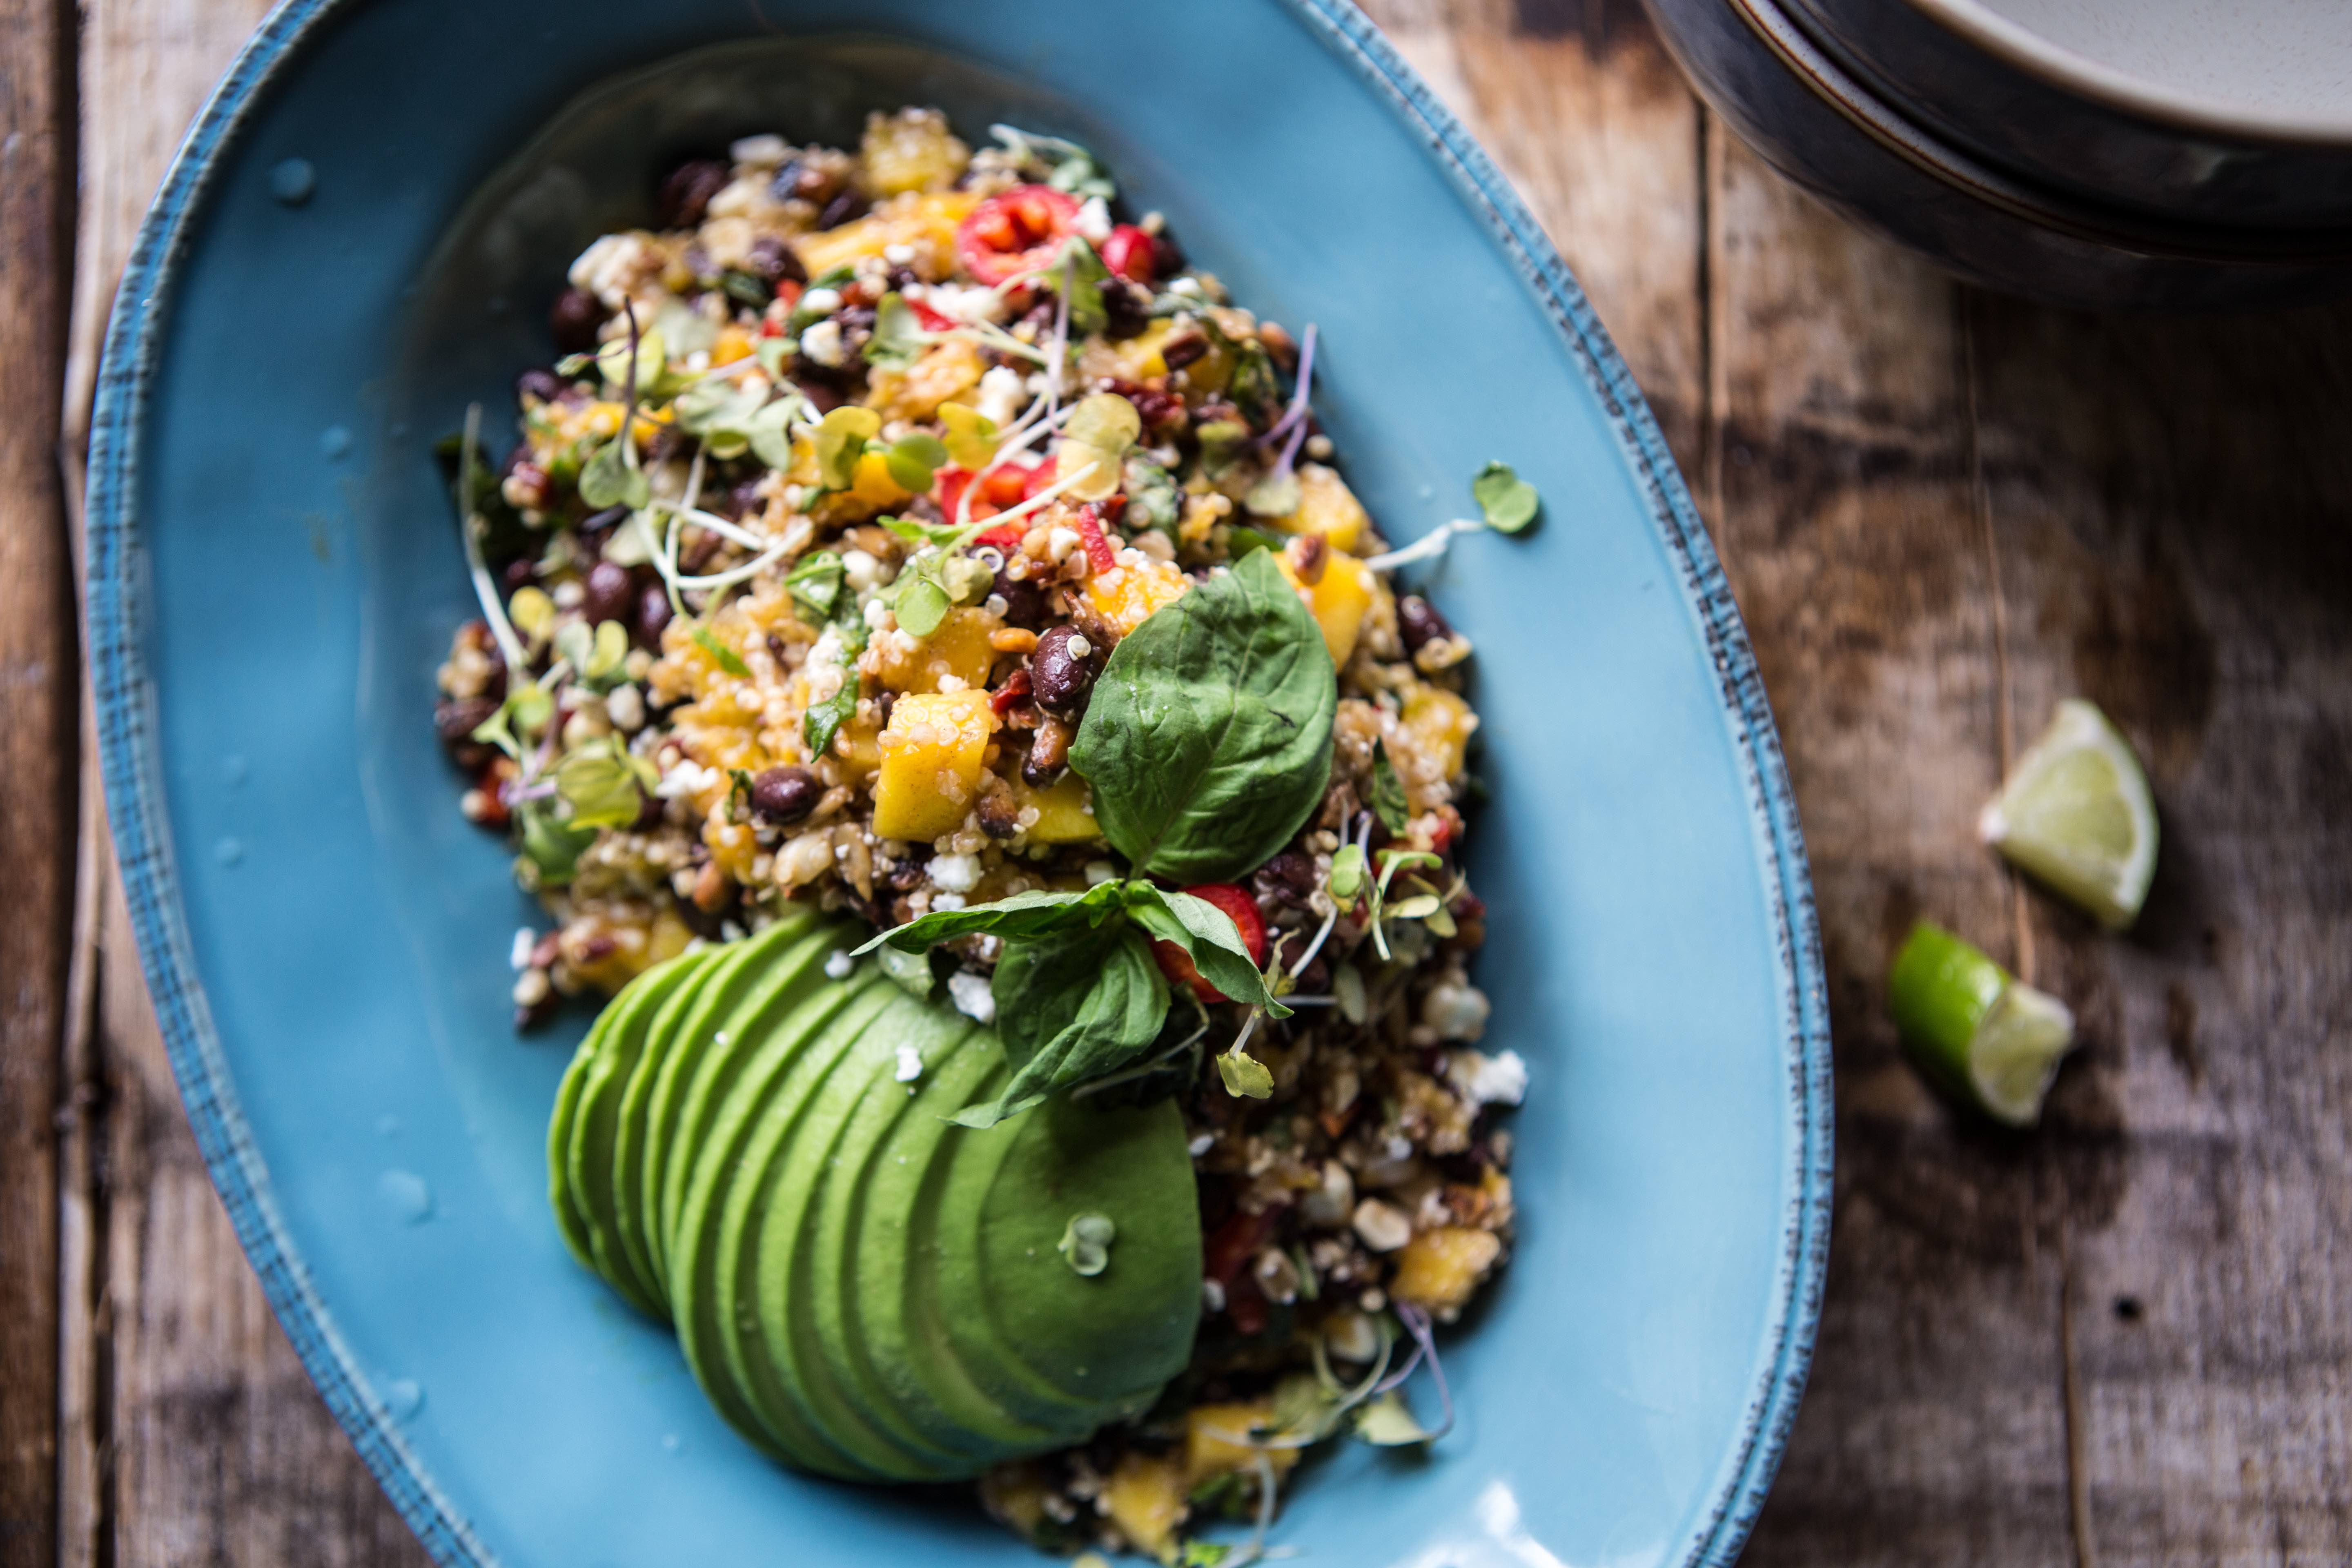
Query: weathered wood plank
(193,1435)
(38,712)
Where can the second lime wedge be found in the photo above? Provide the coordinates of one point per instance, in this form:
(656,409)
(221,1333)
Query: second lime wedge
(2076,815)
(1978,1032)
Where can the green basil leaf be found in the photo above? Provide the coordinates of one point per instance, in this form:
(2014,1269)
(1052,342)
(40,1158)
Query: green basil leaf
(1241,539)
(822,720)
(607,479)
(914,459)
(1508,501)
(899,339)
(814,582)
(1208,740)
(1072,1006)
(1388,791)
(1038,912)
(1209,938)
(727,658)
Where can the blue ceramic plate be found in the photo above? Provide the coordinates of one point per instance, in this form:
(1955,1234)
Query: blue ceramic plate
(361,235)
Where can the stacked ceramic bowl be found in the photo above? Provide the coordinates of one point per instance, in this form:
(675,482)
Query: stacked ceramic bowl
(2153,154)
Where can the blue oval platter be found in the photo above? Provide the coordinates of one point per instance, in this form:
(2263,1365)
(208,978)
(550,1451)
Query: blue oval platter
(360,238)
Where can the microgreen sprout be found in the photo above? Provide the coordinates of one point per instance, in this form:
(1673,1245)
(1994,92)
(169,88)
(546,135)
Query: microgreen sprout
(1506,504)
(471,527)
(1067,166)
(1086,1243)
(1278,494)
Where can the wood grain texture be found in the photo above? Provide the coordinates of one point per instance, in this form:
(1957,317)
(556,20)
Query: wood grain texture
(38,712)
(2124,1340)
(193,1434)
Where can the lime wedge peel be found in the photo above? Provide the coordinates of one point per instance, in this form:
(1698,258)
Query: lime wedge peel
(2076,815)
(1977,1031)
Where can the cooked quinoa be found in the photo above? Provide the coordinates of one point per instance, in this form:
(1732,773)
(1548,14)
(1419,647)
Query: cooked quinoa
(768,674)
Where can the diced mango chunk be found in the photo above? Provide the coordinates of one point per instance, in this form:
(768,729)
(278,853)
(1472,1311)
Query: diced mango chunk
(1066,812)
(1145,1498)
(1339,599)
(871,482)
(1127,593)
(946,369)
(927,222)
(1213,1445)
(932,754)
(1441,721)
(1327,506)
(1438,1268)
(959,648)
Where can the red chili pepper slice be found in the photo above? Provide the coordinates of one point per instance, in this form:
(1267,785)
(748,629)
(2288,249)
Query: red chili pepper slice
(1037,479)
(1235,900)
(1004,536)
(1098,550)
(789,290)
(931,319)
(1012,694)
(1019,231)
(1010,483)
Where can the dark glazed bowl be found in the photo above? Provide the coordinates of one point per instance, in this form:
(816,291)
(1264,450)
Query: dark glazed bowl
(2050,116)
(1816,121)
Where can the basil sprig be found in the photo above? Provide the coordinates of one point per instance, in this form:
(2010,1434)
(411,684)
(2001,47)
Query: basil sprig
(1208,744)
(1208,739)
(1078,993)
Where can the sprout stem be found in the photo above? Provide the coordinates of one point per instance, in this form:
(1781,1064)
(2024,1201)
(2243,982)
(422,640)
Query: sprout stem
(469,529)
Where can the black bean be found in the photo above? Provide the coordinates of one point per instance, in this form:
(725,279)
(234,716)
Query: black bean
(841,209)
(774,261)
(744,498)
(456,720)
(609,595)
(653,615)
(574,320)
(519,572)
(797,181)
(1000,815)
(686,194)
(1287,878)
(785,794)
(1025,604)
(1062,669)
(1418,623)
(543,385)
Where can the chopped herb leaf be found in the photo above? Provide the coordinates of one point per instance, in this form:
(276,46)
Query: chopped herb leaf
(815,582)
(824,719)
(726,658)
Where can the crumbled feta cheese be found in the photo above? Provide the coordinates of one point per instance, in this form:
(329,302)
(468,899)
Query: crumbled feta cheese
(876,615)
(1060,543)
(971,993)
(947,902)
(609,266)
(965,304)
(1002,393)
(821,302)
(1489,1080)
(519,955)
(821,343)
(911,1065)
(766,150)
(1381,1226)
(1212,1296)
(625,706)
(956,873)
(531,989)
(1094,220)
(839,965)
(1183,286)
(686,778)
(898,255)
(1457,1011)
(861,569)
(1200,1145)
(1100,871)
(569,595)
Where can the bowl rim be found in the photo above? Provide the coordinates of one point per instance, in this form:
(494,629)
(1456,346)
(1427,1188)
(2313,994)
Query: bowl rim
(126,722)
(2024,49)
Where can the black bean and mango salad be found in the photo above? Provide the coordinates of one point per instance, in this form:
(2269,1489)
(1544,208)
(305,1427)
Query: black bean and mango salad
(940,690)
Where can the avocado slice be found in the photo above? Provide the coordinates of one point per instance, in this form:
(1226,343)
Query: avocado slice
(897,1341)
(794,951)
(1120,1335)
(730,1174)
(825,1282)
(576,1132)
(691,1085)
(741,966)
(784,1291)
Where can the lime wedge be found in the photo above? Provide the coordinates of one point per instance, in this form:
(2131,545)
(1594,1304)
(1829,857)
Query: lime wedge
(2077,817)
(1979,1034)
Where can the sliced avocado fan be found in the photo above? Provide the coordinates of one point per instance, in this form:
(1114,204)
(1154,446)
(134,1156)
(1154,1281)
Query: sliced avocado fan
(764,1156)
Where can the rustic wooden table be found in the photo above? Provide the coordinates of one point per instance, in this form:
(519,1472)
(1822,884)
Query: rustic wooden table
(2127,1339)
